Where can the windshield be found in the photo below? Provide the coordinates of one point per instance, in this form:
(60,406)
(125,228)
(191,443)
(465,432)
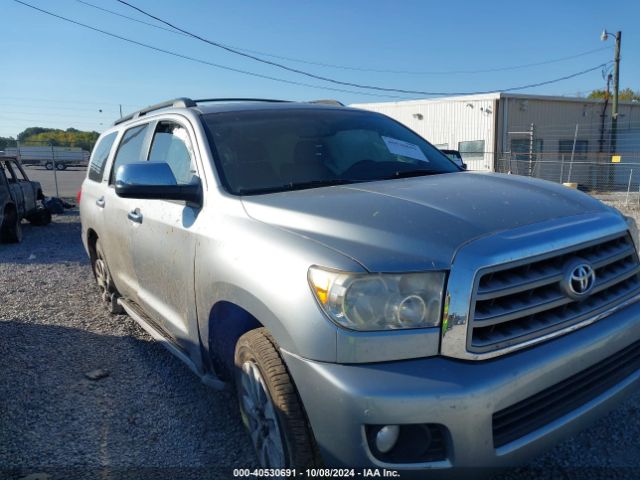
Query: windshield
(266,151)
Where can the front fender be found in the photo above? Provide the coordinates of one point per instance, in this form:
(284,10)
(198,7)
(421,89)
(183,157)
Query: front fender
(263,270)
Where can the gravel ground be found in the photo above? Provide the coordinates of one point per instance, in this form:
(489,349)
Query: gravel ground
(151,417)
(150,412)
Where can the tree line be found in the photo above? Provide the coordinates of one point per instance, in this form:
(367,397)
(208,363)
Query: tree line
(71,137)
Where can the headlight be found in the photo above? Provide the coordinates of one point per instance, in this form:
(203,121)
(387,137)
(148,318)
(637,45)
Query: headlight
(633,229)
(364,301)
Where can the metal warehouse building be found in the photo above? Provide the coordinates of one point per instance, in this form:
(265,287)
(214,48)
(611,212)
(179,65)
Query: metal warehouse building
(489,128)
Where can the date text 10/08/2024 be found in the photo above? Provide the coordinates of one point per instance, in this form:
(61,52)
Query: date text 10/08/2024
(316,473)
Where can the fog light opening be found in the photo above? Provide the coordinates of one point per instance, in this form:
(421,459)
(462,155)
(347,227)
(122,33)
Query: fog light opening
(387,437)
(408,443)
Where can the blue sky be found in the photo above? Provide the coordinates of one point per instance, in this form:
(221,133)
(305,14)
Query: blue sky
(60,75)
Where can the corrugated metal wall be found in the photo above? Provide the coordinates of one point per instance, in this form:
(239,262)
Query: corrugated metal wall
(448,121)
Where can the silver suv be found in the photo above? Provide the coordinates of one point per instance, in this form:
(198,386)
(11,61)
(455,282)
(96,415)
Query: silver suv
(373,304)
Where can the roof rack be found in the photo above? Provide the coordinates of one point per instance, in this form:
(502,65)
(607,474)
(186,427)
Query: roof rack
(271,100)
(328,101)
(184,102)
(176,103)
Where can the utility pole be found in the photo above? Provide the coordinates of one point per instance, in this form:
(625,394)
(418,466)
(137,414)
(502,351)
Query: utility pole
(120,110)
(616,86)
(616,89)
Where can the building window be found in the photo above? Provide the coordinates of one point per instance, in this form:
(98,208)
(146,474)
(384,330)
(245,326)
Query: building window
(471,150)
(520,148)
(566,147)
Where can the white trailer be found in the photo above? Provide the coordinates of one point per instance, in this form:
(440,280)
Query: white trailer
(48,156)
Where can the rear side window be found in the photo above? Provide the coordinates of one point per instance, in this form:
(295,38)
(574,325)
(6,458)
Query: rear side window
(99,157)
(130,149)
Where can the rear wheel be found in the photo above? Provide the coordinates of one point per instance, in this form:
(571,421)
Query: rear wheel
(270,406)
(48,165)
(107,288)
(11,228)
(61,166)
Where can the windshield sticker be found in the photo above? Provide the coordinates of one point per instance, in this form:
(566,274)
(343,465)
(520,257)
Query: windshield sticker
(405,149)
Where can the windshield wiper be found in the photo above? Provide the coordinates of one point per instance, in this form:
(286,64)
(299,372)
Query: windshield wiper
(298,186)
(411,173)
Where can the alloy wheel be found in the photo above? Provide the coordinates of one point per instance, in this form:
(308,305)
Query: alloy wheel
(261,417)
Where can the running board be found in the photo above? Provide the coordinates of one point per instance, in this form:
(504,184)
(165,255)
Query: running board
(159,335)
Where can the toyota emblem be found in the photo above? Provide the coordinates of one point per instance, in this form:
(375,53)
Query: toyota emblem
(579,279)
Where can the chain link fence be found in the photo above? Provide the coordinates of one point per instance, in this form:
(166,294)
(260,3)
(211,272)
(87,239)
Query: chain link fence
(59,167)
(599,158)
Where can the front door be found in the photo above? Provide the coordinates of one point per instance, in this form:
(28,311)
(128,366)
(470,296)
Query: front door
(164,242)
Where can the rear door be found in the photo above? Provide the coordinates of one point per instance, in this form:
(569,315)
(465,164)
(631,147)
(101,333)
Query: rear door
(14,188)
(116,237)
(95,186)
(27,188)
(164,242)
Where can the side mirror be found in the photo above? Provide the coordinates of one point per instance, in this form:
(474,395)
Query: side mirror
(464,166)
(154,180)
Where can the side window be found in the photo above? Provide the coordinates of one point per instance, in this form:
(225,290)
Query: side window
(99,157)
(130,149)
(11,177)
(171,145)
(17,172)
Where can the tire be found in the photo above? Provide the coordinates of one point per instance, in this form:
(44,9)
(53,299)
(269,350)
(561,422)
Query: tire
(61,166)
(40,218)
(48,165)
(11,229)
(108,292)
(270,406)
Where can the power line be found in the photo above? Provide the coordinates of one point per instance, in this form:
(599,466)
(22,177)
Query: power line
(198,60)
(292,82)
(131,18)
(357,68)
(341,82)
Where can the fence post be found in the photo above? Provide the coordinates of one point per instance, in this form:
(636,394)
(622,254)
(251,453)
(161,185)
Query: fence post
(55,169)
(626,202)
(562,169)
(570,169)
(531,148)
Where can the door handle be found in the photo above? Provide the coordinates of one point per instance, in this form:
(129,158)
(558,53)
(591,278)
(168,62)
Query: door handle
(135,215)
(100,202)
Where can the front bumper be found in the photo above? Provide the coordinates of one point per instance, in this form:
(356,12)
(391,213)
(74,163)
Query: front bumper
(460,395)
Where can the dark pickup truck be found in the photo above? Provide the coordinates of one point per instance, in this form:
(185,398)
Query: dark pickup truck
(19,198)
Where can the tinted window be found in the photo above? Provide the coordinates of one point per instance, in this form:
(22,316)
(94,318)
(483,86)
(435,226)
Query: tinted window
(171,145)
(99,157)
(130,149)
(580,151)
(283,149)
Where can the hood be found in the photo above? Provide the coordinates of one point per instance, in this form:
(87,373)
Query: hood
(416,223)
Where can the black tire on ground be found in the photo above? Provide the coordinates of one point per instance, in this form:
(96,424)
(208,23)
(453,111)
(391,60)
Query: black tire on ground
(258,348)
(48,165)
(40,217)
(11,228)
(61,166)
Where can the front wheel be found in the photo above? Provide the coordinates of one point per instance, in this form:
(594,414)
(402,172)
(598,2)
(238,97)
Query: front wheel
(270,406)
(11,228)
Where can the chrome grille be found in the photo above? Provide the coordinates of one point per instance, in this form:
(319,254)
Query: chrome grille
(521,301)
